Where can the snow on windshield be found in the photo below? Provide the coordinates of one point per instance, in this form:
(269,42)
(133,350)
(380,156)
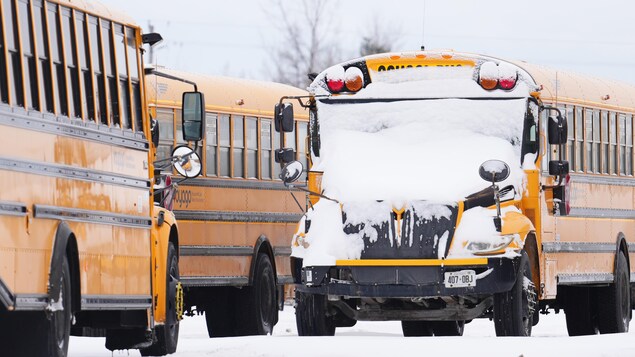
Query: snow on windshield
(417,149)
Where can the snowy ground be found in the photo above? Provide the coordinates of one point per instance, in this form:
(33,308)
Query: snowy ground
(382,339)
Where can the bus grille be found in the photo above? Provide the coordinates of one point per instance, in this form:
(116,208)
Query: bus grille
(422,230)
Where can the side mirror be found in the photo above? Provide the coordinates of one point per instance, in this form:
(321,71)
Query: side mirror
(291,172)
(283,117)
(494,171)
(154,132)
(193,116)
(557,129)
(284,155)
(558,168)
(186,162)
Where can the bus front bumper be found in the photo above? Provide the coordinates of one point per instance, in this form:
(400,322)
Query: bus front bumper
(389,278)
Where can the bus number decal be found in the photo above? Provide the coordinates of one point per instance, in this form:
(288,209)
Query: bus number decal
(183,197)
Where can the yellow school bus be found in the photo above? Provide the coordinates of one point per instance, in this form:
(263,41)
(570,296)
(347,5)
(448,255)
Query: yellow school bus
(235,219)
(83,248)
(449,186)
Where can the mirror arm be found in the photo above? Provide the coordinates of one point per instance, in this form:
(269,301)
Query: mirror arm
(149,71)
(301,188)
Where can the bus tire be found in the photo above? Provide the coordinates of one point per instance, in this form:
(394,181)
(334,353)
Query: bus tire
(416,328)
(614,300)
(167,335)
(512,315)
(220,313)
(260,312)
(311,315)
(448,328)
(580,311)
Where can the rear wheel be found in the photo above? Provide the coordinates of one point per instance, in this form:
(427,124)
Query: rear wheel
(260,311)
(416,328)
(580,311)
(448,328)
(514,309)
(614,301)
(311,315)
(168,333)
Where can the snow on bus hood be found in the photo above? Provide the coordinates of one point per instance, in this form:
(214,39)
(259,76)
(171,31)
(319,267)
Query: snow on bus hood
(416,150)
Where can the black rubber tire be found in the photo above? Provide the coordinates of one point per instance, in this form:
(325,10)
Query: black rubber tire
(511,309)
(448,328)
(614,308)
(220,314)
(168,333)
(580,311)
(311,315)
(59,321)
(416,328)
(260,312)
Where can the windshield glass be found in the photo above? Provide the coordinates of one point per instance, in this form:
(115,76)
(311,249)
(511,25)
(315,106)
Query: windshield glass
(418,149)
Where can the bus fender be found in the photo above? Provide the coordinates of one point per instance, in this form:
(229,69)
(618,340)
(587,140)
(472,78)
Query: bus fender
(64,245)
(262,245)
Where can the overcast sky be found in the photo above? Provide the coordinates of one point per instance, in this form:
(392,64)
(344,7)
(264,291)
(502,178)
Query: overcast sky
(235,38)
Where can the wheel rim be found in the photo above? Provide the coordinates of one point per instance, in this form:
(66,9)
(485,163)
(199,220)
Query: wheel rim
(171,305)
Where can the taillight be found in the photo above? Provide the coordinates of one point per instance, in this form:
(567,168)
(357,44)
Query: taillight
(335,79)
(354,79)
(492,76)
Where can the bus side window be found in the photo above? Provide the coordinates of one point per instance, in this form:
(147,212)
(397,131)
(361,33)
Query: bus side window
(276,166)
(110,72)
(238,145)
(58,74)
(70,45)
(211,141)
(629,145)
(579,140)
(122,74)
(613,144)
(4,78)
(29,71)
(265,148)
(224,147)
(166,134)
(14,62)
(43,55)
(622,144)
(88,98)
(99,84)
(133,65)
(604,126)
(251,133)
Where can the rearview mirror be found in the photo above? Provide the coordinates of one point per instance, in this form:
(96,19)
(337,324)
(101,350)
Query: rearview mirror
(284,155)
(193,116)
(283,117)
(186,162)
(291,172)
(494,171)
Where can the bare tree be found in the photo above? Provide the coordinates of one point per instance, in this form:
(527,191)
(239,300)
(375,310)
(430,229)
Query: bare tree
(380,37)
(308,44)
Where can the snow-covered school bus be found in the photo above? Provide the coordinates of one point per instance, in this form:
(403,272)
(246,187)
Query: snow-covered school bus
(83,248)
(236,219)
(447,186)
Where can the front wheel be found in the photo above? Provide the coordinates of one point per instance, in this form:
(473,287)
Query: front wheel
(615,300)
(168,333)
(311,315)
(514,309)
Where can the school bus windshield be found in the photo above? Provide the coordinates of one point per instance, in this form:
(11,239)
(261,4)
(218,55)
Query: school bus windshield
(416,149)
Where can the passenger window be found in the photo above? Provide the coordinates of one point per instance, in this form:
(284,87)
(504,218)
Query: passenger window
(58,75)
(605,141)
(579,140)
(28,60)
(571,137)
(41,36)
(123,88)
(265,148)
(135,105)
(302,135)
(252,147)
(75,106)
(211,142)
(238,134)
(110,72)
(166,135)
(101,106)
(224,145)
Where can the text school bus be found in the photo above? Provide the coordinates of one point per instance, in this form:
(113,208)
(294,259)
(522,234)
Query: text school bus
(452,187)
(236,219)
(83,249)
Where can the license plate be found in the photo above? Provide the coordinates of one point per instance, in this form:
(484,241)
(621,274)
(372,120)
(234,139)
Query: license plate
(460,279)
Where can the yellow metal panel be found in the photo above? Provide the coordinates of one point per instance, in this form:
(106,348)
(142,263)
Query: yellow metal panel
(411,262)
(214,266)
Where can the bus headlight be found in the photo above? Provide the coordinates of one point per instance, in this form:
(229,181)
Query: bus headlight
(491,246)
